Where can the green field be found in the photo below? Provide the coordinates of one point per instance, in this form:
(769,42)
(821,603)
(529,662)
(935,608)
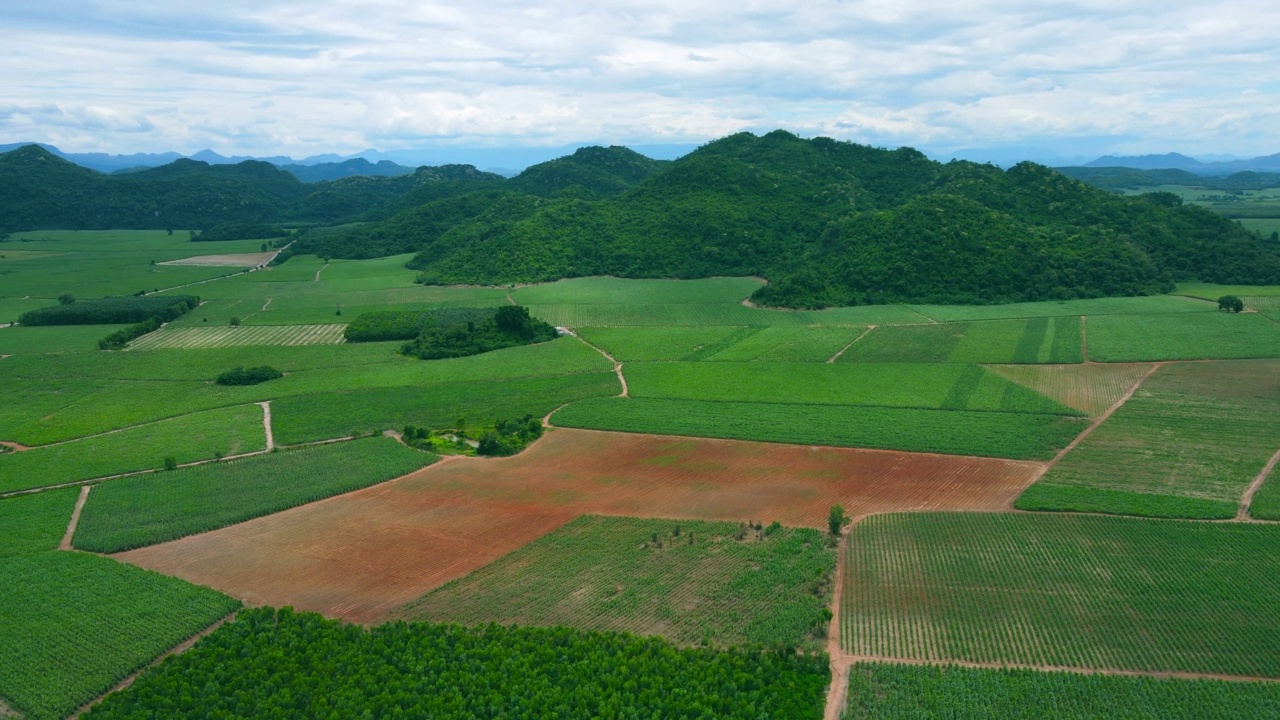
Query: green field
(1164,453)
(1266,502)
(72,625)
(1200,336)
(1034,340)
(19,340)
(1018,436)
(726,344)
(1091,388)
(231,336)
(1080,591)
(944,387)
(200,436)
(133,512)
(704,585)
(1153,305)
(880,691)
(428,671)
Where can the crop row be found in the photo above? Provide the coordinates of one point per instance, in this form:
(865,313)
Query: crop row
(239,336)
(144,510)
(689,581)
(1033,340)
(1064,590)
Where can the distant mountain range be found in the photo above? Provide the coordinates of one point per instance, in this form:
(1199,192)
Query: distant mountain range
(1178,161)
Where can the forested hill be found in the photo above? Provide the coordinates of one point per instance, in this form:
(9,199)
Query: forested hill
(39,190)
(834,223)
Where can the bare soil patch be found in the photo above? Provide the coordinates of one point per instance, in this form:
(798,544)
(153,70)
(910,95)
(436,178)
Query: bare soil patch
(360,555)
(229,260)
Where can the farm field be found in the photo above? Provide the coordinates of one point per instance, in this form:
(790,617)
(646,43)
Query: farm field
(938,387)
(144,510)
(1163,453)
(1153,305)
(726,344)
(1200,336)
(73,624)
(1034,340)
(19,340)
(880,691)
(1071,591)
(445,671)
(200,436)
(1021,436)
(197,337)
(1091,389)
(691,582)
(361,555)
(224,260)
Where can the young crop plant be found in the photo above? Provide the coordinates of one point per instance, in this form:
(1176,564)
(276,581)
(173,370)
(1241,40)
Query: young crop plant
(693,582)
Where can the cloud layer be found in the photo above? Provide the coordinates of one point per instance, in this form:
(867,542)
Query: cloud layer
(283,76)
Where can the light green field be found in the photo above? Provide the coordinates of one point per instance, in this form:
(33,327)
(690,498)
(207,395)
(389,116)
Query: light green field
(702,585)
(1133,338)
(19,340)
(943,387)
(1071,591)
(1155,305)
(1265,226)
(147,509)
(1034,340)
(1213,292)
(1187,444)
(201,436)
(882,691)
(723,344)
(1017,436)
(193,337)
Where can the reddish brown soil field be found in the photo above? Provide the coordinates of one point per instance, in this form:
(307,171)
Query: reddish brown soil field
(360,555)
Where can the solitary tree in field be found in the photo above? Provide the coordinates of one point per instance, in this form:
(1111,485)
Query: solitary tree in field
(1230,303)
(837,519)
(66,298)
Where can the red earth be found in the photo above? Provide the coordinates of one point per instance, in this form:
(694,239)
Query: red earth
(359,556)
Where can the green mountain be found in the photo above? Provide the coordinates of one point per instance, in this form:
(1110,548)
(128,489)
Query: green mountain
(833,223)
(588,172)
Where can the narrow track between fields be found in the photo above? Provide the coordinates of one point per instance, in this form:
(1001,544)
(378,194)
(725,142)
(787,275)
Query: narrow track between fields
(75,519)
(1243,513)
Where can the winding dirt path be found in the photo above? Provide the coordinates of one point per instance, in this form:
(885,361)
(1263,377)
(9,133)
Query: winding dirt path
(16,447)
(8,712)
(182,647)
(317,279)
(546,421)
(266,424)
(75,519)
(617,366)
(1243,513)
(836,357)
(839,664)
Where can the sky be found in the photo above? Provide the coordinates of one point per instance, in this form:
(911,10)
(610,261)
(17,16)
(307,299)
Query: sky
(268,77)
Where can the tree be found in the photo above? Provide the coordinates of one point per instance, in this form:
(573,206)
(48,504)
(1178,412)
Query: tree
(837,519)
(235,321)
(1230,303)
(66,298)
(171,463)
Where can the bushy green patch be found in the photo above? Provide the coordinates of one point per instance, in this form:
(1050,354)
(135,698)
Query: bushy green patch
(736,584)
(881,691)
(384,325)
(112,310)
(508,326)
(448,671)
(249,376)
(509,437)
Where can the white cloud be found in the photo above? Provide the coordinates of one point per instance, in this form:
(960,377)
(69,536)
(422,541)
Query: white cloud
(273,76)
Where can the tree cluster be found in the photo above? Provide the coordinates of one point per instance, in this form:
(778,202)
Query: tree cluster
(110,310)
(509,437)
(459,332)
(249,376)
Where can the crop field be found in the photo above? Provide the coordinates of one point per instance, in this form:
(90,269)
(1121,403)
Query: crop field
(1164,453)
(440,671)
(1072,591)
(1034,340)
(200,436)
(1137,338)
(880,691)
(943,387)
(1266,502)
(225,260)
(726,344)
(361,555)
(1153,305)
(1021,436)
(144,510)
(195,337)
(71,625)
(697,583)
(1206,291)
(19,340)
(1091,389)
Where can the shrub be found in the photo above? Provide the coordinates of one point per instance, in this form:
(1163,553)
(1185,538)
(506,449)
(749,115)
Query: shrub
(110,310)
(249,376)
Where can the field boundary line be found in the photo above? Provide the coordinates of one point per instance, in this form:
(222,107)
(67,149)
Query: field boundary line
(131,427)
(1084,340)
(75,518)
(838,691)
(1247,499)
(266,423)
(928,319)
(840,352)
(546,419)
(317,278)
(1162,674)
(178,649)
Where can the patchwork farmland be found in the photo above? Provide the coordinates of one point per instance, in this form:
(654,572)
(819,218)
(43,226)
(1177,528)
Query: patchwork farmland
(1082,490)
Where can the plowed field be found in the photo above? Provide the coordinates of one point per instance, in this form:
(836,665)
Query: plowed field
(360,555)
(231,260)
